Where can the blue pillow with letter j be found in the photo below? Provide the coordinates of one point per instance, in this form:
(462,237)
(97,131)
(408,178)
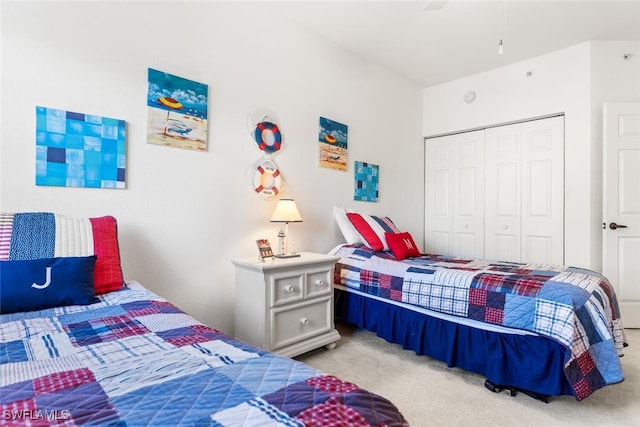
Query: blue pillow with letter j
(37,284)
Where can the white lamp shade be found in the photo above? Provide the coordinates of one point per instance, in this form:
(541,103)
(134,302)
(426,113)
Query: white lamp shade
(286,211)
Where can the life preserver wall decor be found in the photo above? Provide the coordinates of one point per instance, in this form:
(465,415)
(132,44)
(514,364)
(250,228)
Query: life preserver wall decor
(264,176)
(267,179)
(268,137)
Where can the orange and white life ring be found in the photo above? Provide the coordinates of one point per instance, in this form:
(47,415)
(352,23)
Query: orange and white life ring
(267,179)
(268,137)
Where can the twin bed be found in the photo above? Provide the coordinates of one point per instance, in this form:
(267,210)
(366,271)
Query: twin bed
(79,348)
(545,330)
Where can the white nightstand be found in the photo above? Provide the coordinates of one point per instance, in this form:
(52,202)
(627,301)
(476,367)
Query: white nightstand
(286,305)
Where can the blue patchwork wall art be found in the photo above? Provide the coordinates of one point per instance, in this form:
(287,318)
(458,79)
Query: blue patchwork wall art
(366,181)
(79,150)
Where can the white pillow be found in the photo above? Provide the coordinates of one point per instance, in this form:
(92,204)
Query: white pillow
(347,229)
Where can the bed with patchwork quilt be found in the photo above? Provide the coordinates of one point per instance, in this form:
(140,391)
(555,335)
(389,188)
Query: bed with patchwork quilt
(80,347)
(545,329)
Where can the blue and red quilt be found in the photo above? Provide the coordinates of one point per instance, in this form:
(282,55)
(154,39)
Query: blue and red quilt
(575,307)
(134,359)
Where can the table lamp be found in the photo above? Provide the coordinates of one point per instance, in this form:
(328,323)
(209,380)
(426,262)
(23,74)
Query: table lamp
(286,211)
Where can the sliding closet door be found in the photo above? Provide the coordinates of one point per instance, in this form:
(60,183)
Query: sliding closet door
(454,195)
(497,193)
(543,191)
(503,196)
(524,210)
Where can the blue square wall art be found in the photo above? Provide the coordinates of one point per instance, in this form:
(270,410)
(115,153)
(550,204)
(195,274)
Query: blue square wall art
(366,182)
(79,150)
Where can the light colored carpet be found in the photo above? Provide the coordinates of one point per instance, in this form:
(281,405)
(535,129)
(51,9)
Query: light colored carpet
(430,394)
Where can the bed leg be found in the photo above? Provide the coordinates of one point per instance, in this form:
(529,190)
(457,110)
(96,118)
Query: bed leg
(513,391)
(542,397)
(492,387)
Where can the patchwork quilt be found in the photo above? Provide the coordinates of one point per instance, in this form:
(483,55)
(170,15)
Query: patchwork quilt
(134,359)
(575,307)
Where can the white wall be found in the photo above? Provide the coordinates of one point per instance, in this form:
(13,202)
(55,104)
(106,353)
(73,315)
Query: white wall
(184,214)
(574,81)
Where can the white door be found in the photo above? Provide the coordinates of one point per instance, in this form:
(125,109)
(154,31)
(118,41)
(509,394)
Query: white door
(543,191)
(503,196)
(454,188)
(524,197)
(621,206)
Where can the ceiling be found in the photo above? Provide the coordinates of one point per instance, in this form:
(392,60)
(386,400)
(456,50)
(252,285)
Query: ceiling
(451,39)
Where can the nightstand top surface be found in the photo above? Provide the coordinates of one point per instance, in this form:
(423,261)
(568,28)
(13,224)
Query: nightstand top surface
(305,258)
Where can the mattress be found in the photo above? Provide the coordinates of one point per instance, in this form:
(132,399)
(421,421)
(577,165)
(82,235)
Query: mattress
(135,359)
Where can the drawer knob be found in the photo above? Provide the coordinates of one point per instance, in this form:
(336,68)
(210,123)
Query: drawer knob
(319,282)
(288,288)
(304,320)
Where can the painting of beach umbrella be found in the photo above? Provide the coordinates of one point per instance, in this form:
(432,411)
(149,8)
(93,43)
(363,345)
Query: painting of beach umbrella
(172,104)
(177,111)
(332,144)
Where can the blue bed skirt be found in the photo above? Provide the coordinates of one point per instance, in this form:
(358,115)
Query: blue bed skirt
(525,362)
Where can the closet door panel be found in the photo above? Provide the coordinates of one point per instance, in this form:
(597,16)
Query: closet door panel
(468,221)
(468,207)
(538,249)
(505,190)
(441,194)
(438,196)
(543,191)
(439,243)
(503,196)
(505,247)
(454,217)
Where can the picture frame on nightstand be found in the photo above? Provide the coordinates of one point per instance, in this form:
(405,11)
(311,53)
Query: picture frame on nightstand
(264,249)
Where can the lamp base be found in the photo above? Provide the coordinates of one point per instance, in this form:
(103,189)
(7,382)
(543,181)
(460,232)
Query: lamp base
(286,255)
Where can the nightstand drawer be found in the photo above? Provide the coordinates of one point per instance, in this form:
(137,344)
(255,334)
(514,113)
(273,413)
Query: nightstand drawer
(319,282)
(299,322)
(286,288)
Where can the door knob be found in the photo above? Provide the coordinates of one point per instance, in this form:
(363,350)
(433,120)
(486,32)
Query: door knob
(613,226)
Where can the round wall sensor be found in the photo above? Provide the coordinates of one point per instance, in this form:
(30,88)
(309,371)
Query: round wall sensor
(469,97)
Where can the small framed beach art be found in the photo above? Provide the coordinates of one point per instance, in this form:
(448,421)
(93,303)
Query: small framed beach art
(177,111)
(332,144)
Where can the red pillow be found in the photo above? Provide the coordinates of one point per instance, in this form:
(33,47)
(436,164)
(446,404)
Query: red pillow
(369,236)
(108,272)
(402,245)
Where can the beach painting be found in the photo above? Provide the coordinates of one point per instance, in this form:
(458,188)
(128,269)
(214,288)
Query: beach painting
(332,144)
(366,181)
(79,150)
(177,111)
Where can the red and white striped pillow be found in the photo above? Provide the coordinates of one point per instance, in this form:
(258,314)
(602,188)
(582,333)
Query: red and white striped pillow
(372,229)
